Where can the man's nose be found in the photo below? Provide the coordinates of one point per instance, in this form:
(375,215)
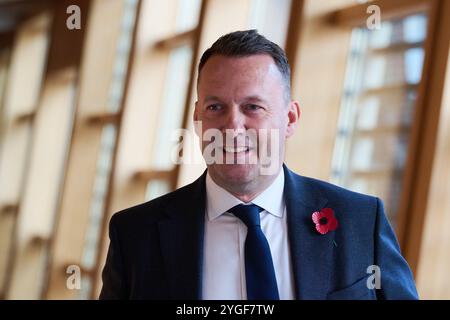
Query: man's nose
(234,119)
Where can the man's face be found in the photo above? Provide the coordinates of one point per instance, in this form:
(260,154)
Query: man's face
(243,93)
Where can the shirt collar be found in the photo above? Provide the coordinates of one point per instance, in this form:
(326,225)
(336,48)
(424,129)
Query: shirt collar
(219,200)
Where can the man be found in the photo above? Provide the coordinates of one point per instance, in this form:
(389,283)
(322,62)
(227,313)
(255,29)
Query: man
(249,228)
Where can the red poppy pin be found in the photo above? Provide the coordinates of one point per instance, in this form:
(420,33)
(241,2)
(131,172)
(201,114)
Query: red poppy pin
(325,220)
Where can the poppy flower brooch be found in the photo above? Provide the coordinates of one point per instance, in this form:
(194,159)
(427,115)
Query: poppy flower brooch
(325,220)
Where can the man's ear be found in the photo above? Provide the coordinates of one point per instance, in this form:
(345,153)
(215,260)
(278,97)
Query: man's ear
(293,117)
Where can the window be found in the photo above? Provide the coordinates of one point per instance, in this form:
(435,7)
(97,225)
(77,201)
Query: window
(171,116)
(383,72)
(271,18)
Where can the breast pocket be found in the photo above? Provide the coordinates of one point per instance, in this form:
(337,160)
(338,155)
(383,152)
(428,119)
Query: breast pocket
(356,291)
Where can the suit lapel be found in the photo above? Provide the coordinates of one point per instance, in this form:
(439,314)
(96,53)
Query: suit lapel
(181,238)
(311,252)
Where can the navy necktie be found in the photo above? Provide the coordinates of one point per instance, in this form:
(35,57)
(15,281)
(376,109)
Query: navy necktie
(259,270)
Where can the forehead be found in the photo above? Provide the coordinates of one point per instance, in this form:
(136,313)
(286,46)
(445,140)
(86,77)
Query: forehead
(223,72)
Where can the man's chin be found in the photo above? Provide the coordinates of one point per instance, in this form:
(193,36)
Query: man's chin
(235,173)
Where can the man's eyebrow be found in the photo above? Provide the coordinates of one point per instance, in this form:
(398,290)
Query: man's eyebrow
(255,99)
(211,98)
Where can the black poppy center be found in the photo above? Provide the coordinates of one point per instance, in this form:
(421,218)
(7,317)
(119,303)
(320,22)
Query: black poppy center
(323,221)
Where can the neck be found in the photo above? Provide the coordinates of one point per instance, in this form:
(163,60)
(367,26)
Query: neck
(248,191)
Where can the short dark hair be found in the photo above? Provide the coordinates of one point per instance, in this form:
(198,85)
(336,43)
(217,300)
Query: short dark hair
(247,43)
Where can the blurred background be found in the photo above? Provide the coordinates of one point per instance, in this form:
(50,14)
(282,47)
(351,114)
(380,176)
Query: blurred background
(90,96)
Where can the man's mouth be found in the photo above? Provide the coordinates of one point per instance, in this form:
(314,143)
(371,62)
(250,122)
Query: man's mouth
(236,149)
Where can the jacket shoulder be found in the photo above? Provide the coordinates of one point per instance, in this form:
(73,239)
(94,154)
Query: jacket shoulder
(339,196)
(154,210)
(335,190)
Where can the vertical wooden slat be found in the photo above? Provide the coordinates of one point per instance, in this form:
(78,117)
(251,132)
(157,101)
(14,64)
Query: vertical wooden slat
(102,30)
(51,133)
(294,32)
(413,156)
(434,257)
(426,134)
(187,116)
(318,81)
(157,20)
(96,272)
(26,71)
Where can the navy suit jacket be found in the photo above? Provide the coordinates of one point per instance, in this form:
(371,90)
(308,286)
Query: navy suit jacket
(156,248)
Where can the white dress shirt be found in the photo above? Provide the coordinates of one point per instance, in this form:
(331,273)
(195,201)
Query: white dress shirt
(224,260)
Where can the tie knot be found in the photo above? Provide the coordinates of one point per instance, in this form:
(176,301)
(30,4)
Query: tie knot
(249,214)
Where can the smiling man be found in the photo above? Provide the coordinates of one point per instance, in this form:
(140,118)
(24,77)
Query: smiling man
(236,94)
(249,228)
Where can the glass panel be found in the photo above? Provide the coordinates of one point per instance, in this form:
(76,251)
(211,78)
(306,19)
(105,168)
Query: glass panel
(98,198)
(122,56)
(171,116)
(172,106)
(85,288)
(156,188)
(100,192)
(271,18)
(188,13)
(383,72)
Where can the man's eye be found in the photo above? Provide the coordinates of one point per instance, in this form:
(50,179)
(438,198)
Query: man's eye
(252,107)
(214,107)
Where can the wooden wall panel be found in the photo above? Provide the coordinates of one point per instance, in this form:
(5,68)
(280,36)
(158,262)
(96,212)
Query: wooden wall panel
(434,260)
(52,127)
(318,84)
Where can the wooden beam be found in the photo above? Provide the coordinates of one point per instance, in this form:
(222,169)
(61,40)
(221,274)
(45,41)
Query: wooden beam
(318,87)
(94,84)
(383,130)
(177,40)
(293,34)
(96,271)
(10,208)
(38,241)
(26,117)
(155,19)
(15,12)
(388,88)
(377,173)
(24,4)
(396,47)
(25,72)
(357,15)
(154,175)
(66,46)
(196,54)
(103,119)
(432,273)
(6,39)
(424,135)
